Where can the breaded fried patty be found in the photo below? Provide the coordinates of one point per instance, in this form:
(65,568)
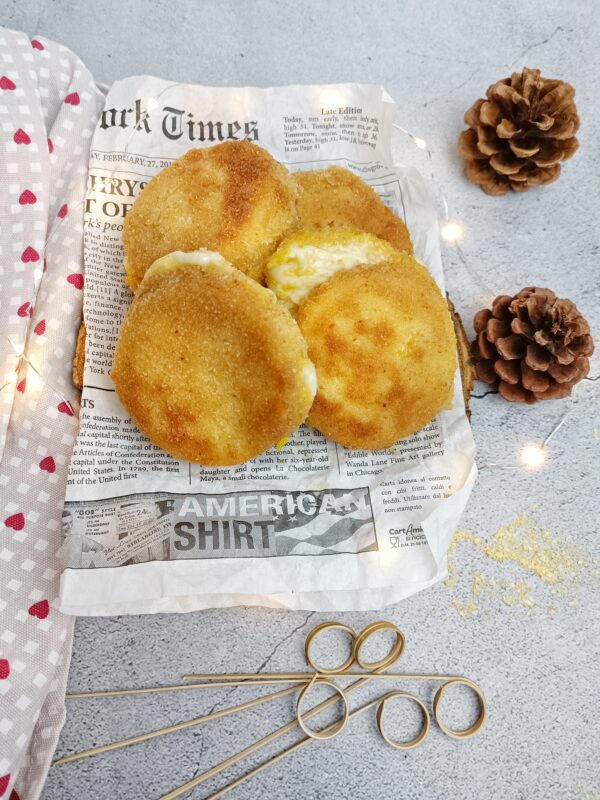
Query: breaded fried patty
(336,198)
(307,258)
(79,358)
(382,341)
(233,198)
(208,364)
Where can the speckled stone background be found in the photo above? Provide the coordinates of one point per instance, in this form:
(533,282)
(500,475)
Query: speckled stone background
(539,670)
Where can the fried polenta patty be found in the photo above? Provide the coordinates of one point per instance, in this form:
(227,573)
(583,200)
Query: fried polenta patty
(307,258)
(209,365)
(336,198)
(382,341)
(233,198)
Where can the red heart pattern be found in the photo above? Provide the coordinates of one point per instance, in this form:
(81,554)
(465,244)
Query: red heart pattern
(76,280)
(26,310)
(48,464)
(21,137)
(14,795)
(34,88)
(27,198)
(16,522)
(65,408)
(30,254)
(40,610)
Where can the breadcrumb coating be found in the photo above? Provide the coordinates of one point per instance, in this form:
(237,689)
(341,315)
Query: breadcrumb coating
(209,365)
(382,341)
(336,198)
(233,198)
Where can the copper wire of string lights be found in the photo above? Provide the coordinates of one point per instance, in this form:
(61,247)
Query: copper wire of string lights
(450,230)
(534,456)
(531,456)
(23,358)
(303,682)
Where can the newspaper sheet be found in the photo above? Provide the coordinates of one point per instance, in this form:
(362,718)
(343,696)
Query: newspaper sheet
(313,525)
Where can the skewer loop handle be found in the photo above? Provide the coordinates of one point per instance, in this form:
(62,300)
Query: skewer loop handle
(465,733)
(314,633)
(394,653)
(416,740)
(331,730)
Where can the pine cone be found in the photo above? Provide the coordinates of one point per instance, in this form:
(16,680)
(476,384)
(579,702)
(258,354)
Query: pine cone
(533,346)
(518,136)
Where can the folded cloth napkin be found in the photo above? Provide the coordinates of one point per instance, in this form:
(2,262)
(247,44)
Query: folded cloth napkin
(49,105)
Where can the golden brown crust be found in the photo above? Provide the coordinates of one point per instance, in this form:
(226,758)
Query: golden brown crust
(465,361)
(382,341)
(233,198)
(210,366)
(336,198)
(79,358)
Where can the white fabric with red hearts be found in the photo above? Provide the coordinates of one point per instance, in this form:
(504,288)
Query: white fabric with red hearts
(49,105)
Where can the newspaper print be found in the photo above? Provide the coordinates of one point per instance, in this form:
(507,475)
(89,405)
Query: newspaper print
(359,519)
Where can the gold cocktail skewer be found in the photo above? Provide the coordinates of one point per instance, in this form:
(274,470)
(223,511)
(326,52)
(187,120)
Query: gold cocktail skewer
(176,687)
(143,737)
(377,668)
(303,681)
(228,762)
(239,678)
(379,701)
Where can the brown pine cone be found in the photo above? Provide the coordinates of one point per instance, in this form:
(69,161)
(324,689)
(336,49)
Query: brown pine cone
(517,137)
(533,346)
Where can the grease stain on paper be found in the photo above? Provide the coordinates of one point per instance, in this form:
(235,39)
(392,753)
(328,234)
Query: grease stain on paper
(553,560)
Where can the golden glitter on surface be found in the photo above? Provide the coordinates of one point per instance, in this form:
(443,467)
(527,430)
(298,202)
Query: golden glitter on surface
(553,559)
(587,792)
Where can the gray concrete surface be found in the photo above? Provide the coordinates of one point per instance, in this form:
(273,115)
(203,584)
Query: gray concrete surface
(539,670)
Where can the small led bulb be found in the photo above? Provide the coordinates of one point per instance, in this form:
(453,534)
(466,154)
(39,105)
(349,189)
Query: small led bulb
(451,232)
(533,456)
